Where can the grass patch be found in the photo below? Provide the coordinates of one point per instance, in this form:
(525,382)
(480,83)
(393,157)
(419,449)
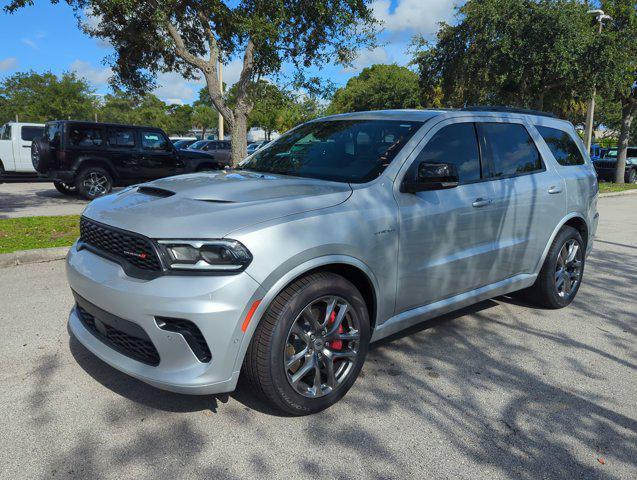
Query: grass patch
(27,233)
(608,187)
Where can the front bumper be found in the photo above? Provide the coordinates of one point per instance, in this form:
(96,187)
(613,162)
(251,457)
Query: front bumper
(217,305)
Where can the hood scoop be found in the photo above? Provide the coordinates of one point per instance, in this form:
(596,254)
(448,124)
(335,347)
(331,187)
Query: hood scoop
(155,192)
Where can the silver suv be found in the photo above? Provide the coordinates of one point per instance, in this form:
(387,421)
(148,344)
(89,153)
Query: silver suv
(343,231)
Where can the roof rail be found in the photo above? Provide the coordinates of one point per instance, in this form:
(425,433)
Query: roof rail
(504,109)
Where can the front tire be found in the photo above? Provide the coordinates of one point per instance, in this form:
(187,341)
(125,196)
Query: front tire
(562,272)
(93,182)
(631,176)
(310,346)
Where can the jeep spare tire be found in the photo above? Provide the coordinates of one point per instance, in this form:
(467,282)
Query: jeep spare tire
(41,155)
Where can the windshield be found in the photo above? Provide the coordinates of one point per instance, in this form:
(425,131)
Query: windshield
(198,145)
(354,151)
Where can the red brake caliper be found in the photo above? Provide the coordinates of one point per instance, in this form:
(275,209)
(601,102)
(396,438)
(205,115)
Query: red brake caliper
(335,344)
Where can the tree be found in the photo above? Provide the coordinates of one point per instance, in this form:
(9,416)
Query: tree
(526,53)
(618,56)
(378,87)
(35,97)
(191,37)
(205,118)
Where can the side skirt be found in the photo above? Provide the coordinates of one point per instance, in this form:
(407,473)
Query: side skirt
(427,312)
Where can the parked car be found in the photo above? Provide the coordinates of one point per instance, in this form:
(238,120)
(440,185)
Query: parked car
(220,149)
(184,143)
(343,231)
(15,148)
(605,166)
(254,146)
(93,157)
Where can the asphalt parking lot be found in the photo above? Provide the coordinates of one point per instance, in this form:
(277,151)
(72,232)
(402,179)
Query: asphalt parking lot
(499,390)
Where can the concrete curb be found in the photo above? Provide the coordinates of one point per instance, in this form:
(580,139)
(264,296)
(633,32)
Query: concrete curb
(37,255)
(618,194)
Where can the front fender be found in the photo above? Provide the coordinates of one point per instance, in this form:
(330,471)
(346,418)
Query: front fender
(276,283)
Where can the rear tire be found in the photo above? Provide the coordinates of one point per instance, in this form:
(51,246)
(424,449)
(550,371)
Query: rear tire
(93,182)
(294,327)
(65,189)
(562,272)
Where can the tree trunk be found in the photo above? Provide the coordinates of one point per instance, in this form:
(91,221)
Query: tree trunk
(239,140)
(203,133)
(628,111)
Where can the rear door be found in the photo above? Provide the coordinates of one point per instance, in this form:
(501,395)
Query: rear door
(26,136)
(158,157)
(529,197)
(123,151)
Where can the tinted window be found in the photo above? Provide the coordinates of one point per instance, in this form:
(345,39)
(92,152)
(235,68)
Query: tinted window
(510,149)
(456,144)
(198,144)
(85,136)
(52,133)
(562,146)
(121,137)
(29,133)
(155,141)
(340,150)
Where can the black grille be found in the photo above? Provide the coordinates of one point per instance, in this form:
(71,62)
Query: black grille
(602,164)
(134,249)
(190,332)
(139,349)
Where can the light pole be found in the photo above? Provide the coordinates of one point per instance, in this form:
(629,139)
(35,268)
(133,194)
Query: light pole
(221,87)
(600,16)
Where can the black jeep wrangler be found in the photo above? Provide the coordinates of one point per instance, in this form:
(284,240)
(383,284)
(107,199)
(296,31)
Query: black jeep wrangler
(91,158)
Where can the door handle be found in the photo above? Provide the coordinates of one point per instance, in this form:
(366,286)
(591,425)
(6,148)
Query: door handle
(26,146)
(481,202)
(554,189)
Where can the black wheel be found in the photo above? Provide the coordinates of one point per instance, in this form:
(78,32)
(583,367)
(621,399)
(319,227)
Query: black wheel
(41,156)
(561,275)
(310,346)
(631,176)
(93,182)
(65,188)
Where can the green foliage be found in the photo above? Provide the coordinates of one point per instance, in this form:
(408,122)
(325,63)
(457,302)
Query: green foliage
(378,87)
(205,117)
(527,53)
(38,97)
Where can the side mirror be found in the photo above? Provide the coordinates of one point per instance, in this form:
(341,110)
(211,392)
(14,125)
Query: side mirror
(430,176)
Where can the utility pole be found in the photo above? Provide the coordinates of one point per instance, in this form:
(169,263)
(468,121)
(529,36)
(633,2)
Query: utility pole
(221,88)
(600,16)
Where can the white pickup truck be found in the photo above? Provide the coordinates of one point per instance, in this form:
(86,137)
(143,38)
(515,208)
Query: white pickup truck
(15,148)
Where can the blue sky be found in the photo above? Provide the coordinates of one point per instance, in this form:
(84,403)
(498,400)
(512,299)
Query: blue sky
(46,37)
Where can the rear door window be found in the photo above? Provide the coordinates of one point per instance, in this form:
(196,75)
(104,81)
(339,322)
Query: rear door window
(510,149)
(29,133)
(85,136)
(121,137)
(562,146)
(456,144)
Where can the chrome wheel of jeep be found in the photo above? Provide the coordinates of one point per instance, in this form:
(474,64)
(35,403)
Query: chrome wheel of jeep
(568,270)
(96,184)
(322,346)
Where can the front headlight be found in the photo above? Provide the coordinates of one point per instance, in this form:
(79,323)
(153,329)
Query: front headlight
(202,255)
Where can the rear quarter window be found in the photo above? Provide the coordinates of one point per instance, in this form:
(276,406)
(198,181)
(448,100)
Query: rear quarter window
(562,146)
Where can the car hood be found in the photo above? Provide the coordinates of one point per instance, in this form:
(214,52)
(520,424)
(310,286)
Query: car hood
(211,205)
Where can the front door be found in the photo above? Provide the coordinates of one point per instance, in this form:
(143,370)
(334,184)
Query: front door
(158,157)
(447,237)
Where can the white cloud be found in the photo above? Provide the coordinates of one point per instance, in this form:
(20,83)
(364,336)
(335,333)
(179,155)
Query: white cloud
(8,63)
(173,88)
(232,71)
(29,42)
(97,76)
(415,16)
(367,58)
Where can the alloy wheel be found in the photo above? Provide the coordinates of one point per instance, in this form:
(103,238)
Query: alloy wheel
(96,184)
(568,271)
(322,346)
